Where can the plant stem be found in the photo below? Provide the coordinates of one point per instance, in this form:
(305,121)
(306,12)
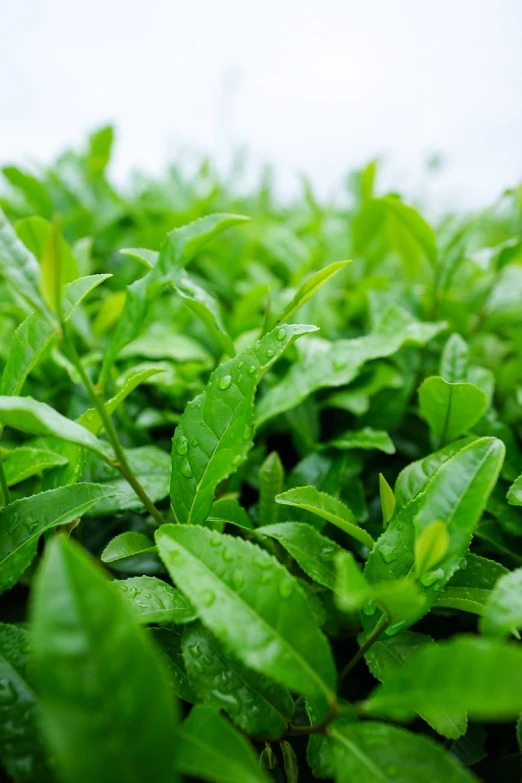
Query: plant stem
(381,626)
(318,728)
(121,460)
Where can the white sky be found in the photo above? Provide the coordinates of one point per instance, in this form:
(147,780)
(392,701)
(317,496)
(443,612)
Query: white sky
(311,86)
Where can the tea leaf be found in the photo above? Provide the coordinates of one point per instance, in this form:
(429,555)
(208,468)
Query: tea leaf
(503,613)
(125,545)
(450,409)
(154,601)
(271,477)
(366,438)
(308,288)
(24,462)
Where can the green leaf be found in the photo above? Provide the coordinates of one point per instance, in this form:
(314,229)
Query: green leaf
(152,467)
(387,500)
(456,494)
(228,511)
(250,603)
(450,409)
(412,479)
(313,552)
(469,588)
(271,477)
(21,751)
(482,676)
(34,191)
(24,521)
(257,705)
(410,220)
(514,494)
(308,288)
(154,601)
(37,235)
(107,710)
(100,147)
(169,641)
(180,246)
(431,544)
(322,364)
(209,748)
(366,438)
(35,334)
(454,360)
(24,462)
(388,654)
(326,507)
(126,545)
(20,267)
(503,614)
(37,418)
(215,431)
(379,753)
(290,762)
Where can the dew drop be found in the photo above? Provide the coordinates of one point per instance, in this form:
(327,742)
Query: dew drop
(281,334)
(182,445)
(286,589)
(197,667)
(388,553)
(208,597)
(252,369)
(431,577)
(237,580)
(239,378)
(269,353)
(395,628)
(240,365)
(224,382)
(463,564)
(195,442)
(215,541)
(185,469)
(370,607)
(236,460)
(227,555)
(195,650)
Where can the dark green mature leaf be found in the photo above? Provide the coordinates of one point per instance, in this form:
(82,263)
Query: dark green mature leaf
(323,364)
(126,545)
(470,587)
(454,360)
(390,653)
(314,552)
(215,431)
(180,246)
(209,748)
(35,334)
(271,477)
(169,641)
(451,409)
(24,462)
(24,521)
(456,494)
(37,418)
(307,289)
(258,706)
(379,753)
(107,709)
(367,438)
(21,751)
(503,614)
(19,266)
(251,603)
(154,601)
(482,676)
(326,507)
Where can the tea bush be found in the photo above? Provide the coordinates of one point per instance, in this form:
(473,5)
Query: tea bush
(259,502)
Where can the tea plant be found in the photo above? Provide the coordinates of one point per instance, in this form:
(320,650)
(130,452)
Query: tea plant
(258,503)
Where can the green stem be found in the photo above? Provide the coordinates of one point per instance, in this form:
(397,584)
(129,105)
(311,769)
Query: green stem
(318,728)
(121,460)
(381,626)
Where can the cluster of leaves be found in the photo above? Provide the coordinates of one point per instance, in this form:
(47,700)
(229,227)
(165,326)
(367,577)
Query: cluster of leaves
(215,572)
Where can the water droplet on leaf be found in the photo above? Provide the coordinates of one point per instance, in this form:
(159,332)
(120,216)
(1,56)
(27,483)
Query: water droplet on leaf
(181,445)
(281,334)
(224,382)
(185,469)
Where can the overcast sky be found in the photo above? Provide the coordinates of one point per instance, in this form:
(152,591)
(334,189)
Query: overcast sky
(311,86)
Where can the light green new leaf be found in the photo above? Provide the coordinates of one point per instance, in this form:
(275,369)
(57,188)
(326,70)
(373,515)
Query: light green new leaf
(456,494)
(431,544)
(126,545)
(388,501)
(469,588)
(37,418)
(413,477)
(24,521)
(323,364)
(215,431)
(367,438)
(410,220)
(314,552)
(34,191)
(271,477)
(326,507)
(179,248)
(450,409)
(379,753)
(21,752)
(514,494)
(503,614)
(107,709)
(19,267)
(35,334)
(290,762)
(308,288)
(252,604)
(154,601)
(24,462)
(388,654)
(482,676)
(228,511)
(454,360)
(257,705)
(209,748)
